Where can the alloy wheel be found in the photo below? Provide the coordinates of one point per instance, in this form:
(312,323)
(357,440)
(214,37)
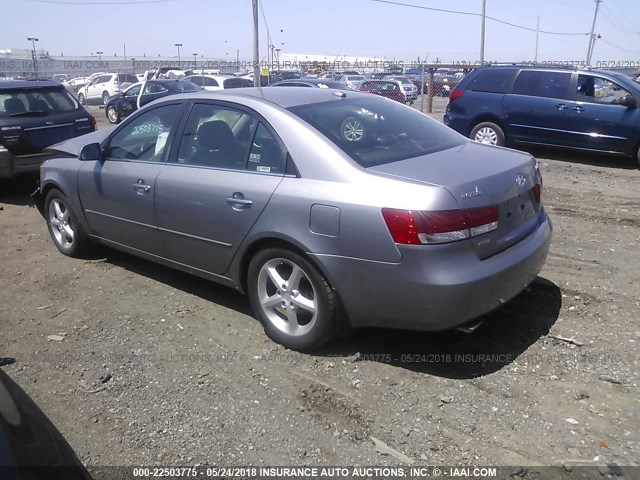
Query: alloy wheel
(287,297)
(62,226)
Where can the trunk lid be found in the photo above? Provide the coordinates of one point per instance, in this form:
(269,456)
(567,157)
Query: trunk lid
(476,176)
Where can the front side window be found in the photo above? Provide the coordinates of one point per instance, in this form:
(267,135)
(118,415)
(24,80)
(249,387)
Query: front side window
(147,136)
(542,84)
(599,90)
(133,91)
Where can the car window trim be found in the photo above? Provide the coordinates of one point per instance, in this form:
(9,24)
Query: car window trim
(172,158)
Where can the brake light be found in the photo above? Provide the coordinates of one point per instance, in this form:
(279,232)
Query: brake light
(455,94)
(537,192)
(415,227)
(93,121)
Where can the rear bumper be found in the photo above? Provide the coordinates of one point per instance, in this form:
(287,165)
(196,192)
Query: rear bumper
(435,288)
(11,165)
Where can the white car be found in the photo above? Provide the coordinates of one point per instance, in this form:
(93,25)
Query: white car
(351,81)
(218,82)
(100,88)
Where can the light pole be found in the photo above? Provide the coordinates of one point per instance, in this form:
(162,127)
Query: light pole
(482,28)
(195,60)
(133,65)
(592,37)
(99,57)
(33,41)
(178,45)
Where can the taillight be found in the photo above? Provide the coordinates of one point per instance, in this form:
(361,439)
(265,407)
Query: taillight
(537,192)
(93,121)
(416,227)
(455,94)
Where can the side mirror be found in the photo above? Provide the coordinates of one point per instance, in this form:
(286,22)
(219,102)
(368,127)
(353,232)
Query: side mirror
(629,101)
(91,152)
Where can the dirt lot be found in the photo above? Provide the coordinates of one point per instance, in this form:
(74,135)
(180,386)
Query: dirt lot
(158,367)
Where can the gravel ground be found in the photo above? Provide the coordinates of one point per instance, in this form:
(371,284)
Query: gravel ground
(153,366)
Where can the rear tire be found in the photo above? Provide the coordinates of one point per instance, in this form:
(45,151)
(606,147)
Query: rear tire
(638,156)
(488,133)
(291,298)
(105,97)
(65,230)
(81,99)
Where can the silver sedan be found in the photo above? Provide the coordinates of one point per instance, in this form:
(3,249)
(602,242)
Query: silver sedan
(326,207)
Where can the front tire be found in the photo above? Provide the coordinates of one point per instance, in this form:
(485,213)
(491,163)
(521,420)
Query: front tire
(488,133)
(291,298)
(65,230)
(113,115)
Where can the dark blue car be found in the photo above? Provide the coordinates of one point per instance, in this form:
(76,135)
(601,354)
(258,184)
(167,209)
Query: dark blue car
(127,102)
(584,109)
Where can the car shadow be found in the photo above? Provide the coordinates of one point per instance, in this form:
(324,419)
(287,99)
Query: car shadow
(583,158)
(18,190)
(505,334)
(188,283)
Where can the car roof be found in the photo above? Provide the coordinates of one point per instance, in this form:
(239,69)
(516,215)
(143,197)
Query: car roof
(35,83)
(285,97)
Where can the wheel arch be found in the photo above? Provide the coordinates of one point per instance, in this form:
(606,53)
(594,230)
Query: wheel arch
(487,117)
(53,184)
(241,270)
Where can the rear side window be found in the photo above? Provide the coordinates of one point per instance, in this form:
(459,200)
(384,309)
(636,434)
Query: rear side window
(494,81)
(542,84)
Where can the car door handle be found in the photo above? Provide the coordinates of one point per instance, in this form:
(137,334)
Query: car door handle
(238,202)
(578,109)
(140,187)
(561,106)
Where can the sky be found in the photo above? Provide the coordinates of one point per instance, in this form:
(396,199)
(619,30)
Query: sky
(360,28)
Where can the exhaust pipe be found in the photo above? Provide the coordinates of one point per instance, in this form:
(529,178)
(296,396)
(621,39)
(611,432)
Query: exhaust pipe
(471,326)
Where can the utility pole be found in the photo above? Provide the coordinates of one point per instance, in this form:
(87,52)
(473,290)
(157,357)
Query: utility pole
(484,18)
(34,56)
(535,59)
(256,52)
(591,37)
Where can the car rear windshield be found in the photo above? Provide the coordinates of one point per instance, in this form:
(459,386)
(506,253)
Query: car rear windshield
(37,101)
(375,131)
(187,86)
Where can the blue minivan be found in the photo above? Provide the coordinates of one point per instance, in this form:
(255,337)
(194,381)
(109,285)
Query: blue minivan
(579,109)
